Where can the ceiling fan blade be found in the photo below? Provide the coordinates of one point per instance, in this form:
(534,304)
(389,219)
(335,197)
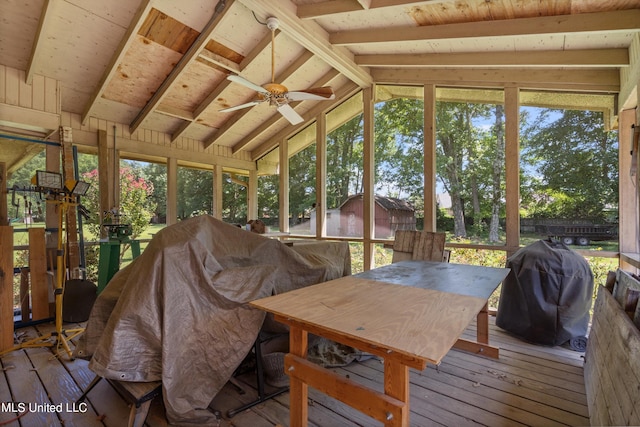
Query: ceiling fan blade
(240,107)
(316,93)
(246,83)
(290,114)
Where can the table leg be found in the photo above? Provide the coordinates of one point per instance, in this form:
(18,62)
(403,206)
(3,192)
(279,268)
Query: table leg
(396,385)
(482,322)
(298,390)
(481,345)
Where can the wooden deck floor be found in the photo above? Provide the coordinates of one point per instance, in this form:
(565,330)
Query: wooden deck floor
(530,385)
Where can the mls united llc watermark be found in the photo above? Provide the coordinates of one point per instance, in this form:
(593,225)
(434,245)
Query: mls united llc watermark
(20,407)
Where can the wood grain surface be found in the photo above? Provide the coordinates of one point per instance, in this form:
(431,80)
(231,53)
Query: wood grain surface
(416,322)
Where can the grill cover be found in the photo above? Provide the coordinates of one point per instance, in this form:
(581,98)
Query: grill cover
(546,297)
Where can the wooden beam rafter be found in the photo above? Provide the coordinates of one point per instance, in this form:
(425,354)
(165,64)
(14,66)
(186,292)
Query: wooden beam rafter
(620,20)
(313,37)
(118,57)
(190,56)
(260,47)
(336,7)
(35,59)
(565,58)
(597,80)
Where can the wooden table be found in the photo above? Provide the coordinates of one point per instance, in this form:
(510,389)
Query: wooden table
(460,279)
(407,326)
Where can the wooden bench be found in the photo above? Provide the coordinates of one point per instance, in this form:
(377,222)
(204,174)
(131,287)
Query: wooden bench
(138,394)
(612,359)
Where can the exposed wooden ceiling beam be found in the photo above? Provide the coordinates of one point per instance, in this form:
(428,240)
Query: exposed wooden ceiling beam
(287,72)
(562,24)
(344,92)
(327,8)
(607,81)
(312,36)
(190,55)
(35,59)
(118,56)
(257,50)
(564,58)
(220,61)
(335,7)
(178,113)
(264,127)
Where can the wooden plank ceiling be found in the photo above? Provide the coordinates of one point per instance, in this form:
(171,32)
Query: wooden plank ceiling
(163,64)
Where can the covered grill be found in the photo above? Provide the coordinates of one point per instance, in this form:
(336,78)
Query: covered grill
(546,297)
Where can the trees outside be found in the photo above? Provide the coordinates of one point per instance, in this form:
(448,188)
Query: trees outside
(570,166)
(302,186)
(195,192)
(136,205)
(234,199)
(569,170)
(344,162)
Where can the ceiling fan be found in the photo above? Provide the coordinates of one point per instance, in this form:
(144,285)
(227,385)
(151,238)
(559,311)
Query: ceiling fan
(276,94)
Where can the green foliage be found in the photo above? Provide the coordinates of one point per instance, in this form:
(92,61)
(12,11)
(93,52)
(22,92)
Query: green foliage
(156,174)
(576,164)
(344,162)
(234,200)
(302,183)
(195,192)
(135,202)
(268,202)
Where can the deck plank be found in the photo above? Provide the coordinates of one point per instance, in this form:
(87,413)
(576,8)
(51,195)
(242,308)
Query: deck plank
(5,396)
(528,386)
(26,387)
(61,389)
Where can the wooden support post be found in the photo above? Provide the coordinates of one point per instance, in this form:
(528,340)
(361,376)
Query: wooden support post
(368,180)
(283,198)
(512,167)
(430,208)
(482,325)
(38,269)
(298,394)
(321,176)
(73,247)
(396,385)
(25,306)
(172,191)
(4,212)
(6,287)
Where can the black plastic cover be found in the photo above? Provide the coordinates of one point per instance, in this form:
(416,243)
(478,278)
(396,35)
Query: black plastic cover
(547,296)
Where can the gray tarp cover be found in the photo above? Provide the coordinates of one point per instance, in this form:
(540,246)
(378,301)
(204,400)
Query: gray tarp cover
(178,312)
(547,295)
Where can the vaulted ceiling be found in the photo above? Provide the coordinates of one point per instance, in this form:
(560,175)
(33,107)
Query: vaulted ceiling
(163,64)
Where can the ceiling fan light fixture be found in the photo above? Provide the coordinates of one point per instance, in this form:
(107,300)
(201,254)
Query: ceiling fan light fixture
(275,88)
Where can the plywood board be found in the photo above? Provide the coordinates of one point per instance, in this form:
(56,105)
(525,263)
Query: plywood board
(418,323)
(167,31)
(38,274)
(144,68)
(192,87)
(6,287)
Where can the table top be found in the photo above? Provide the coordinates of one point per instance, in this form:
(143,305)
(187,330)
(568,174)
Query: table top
(471,280)
(416,322)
